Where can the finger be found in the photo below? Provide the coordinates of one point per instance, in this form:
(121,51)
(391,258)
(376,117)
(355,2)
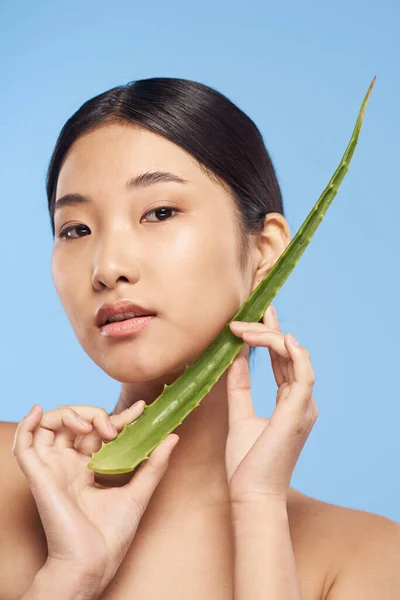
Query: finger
(100,423)
(296,408)
(92,442)
(272,340)
(74,425)
(240,404)
(237,326)
(304,377)
(57,426)
(279,365)
(128,415)
(60,427)
(286,366)
(241,327)
(264,337)
(23,449)
(144,482)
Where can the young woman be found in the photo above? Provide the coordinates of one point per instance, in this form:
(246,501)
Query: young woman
(164,202)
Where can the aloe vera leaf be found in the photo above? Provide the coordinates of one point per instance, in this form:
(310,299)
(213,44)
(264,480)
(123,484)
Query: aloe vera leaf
(137,440)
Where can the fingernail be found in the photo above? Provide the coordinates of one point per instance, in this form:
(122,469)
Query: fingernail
(174,441)
(82,421)
(293,340)
(273,311)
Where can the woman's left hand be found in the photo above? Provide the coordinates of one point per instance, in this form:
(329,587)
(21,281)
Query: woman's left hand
(262,453)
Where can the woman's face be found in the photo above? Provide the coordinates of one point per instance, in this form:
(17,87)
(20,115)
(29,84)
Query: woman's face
(181,262)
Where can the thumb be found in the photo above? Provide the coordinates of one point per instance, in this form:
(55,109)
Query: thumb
(144,482)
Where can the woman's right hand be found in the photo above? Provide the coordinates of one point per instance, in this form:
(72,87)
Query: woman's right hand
(89,527)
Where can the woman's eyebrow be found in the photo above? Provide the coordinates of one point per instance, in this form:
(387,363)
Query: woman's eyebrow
(141,181)
(151,177)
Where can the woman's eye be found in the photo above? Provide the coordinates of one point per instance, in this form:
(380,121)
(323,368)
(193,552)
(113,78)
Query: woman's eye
(78,231)
(69,231)
(163,212)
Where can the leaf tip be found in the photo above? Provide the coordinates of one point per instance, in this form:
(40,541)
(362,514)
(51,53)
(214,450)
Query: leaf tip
(371,85)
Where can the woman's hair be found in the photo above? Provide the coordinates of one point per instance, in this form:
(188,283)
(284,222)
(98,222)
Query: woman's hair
(224,141)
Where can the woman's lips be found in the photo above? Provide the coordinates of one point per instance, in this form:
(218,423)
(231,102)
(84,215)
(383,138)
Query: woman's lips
(124,328)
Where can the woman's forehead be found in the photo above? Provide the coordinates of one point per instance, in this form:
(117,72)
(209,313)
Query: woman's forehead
(116,154)
(119,146)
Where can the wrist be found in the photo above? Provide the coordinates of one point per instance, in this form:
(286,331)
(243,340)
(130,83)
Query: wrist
(255,517)
(261,531)
(58,581)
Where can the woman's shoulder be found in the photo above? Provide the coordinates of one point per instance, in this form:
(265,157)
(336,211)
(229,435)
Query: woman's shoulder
(348,543)
(17,505)
(7,435)
(22,540)
(304,509)
(7,429)
(15,493)
(7,459)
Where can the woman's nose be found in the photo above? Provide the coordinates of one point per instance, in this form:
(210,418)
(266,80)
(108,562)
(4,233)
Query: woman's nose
(112,263)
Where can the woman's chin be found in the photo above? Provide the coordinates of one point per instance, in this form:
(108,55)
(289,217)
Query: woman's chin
(158,364)
(141,373)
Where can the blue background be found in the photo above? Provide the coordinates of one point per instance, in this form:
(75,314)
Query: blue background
(300,71)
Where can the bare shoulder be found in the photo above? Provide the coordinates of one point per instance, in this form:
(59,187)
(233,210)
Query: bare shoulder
(10,473)
(17,506)
(358,551)
(20,523)
(16,500)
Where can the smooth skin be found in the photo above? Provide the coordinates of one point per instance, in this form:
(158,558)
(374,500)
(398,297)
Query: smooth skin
(184,268)
(88,527)
(261,453)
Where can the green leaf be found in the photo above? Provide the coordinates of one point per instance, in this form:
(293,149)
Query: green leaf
(137,440)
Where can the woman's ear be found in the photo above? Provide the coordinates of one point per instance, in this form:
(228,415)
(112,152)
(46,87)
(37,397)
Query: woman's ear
(271,242)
